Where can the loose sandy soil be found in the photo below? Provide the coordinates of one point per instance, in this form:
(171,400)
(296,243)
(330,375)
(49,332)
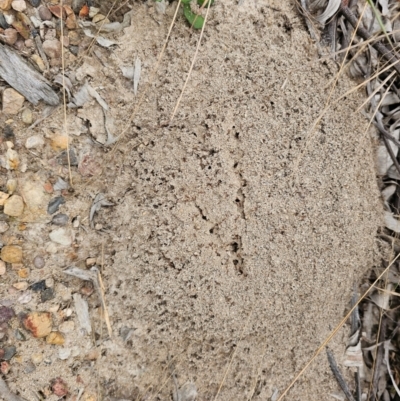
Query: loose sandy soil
(225,253)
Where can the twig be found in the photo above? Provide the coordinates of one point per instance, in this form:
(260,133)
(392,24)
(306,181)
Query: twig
(386,53)
(338,375)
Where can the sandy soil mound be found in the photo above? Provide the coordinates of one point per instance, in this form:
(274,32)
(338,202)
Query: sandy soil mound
(218,251)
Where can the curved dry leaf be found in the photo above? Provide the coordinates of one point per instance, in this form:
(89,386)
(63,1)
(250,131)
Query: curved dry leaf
(382,298)
(383,160)
(391,222)
(388,192)
(330,10)
(354,356)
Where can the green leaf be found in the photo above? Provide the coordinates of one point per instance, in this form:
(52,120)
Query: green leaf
(197,21)
(201,2)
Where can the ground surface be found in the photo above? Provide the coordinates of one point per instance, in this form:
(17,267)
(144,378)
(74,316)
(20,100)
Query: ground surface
(222,240)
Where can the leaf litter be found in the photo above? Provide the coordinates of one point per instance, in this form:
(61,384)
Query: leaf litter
(374,345)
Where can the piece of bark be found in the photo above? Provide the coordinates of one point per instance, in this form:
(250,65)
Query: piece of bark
(25,79)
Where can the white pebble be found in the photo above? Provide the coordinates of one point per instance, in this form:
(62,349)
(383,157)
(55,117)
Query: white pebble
(35,141)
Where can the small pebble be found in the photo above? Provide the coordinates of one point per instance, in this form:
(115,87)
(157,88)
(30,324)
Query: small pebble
(14,206)
(88,166)
(47,294)
(29,368)
(36,358)
(19,5)
(6,313)
(36,22)
(3,198)
(23,273)
(35,3)
(10,37)
(55,338)
(38,262)
(51,248)
(25,298)
(34,141)
(2,268)
(74,50)
(60,219)
(50,282)
(92,355)
(44,13)
(38,323)
(87,289)
(27,118)
(11,185)
(19,335)
(3,227)
(67,327)
(39,62)
(93,11)
(5,367)
(5,4)
(59,387)
(100,19)
(61,236)
(60,185)
(9,352)
(11,254)
(63,159)
(64,353)
(21,285)
(52,48)
(12,101)
(30,44)
(3,22)
(39,286)
(54,204)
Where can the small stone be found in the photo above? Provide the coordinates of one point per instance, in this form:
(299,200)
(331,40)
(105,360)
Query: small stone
(71,18)
(25,298)
(34,3)
(14,206)
(39,62)
(67,327)
(54,204)
(11,185)
(57,10)
(39,286)
(23,273)
(55,338)
(5,4)
(12,101)
(21,285)
(2,268)
(88,166)
(37,358)
(29,368)
(19,335)
(17,266)
(38,262)
(52,48)
(74,38)
(98,227)
(34,141)
(59,142)
(10,36)
(61,236)
(36,22)
(9,352)
(47,294)
(11,254)
(30,44)
(12,159)
(3,227)
(60,219)
(90,262)
(87,289)
(5,367)
(19,5)
(3,198)
(44,13)
(63,158)
(38,323)
(51,248)
(100,19)
(6,313)
(49,282)
(93,11)
(27,118)
(64,353)
(59,387)
(92,355)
